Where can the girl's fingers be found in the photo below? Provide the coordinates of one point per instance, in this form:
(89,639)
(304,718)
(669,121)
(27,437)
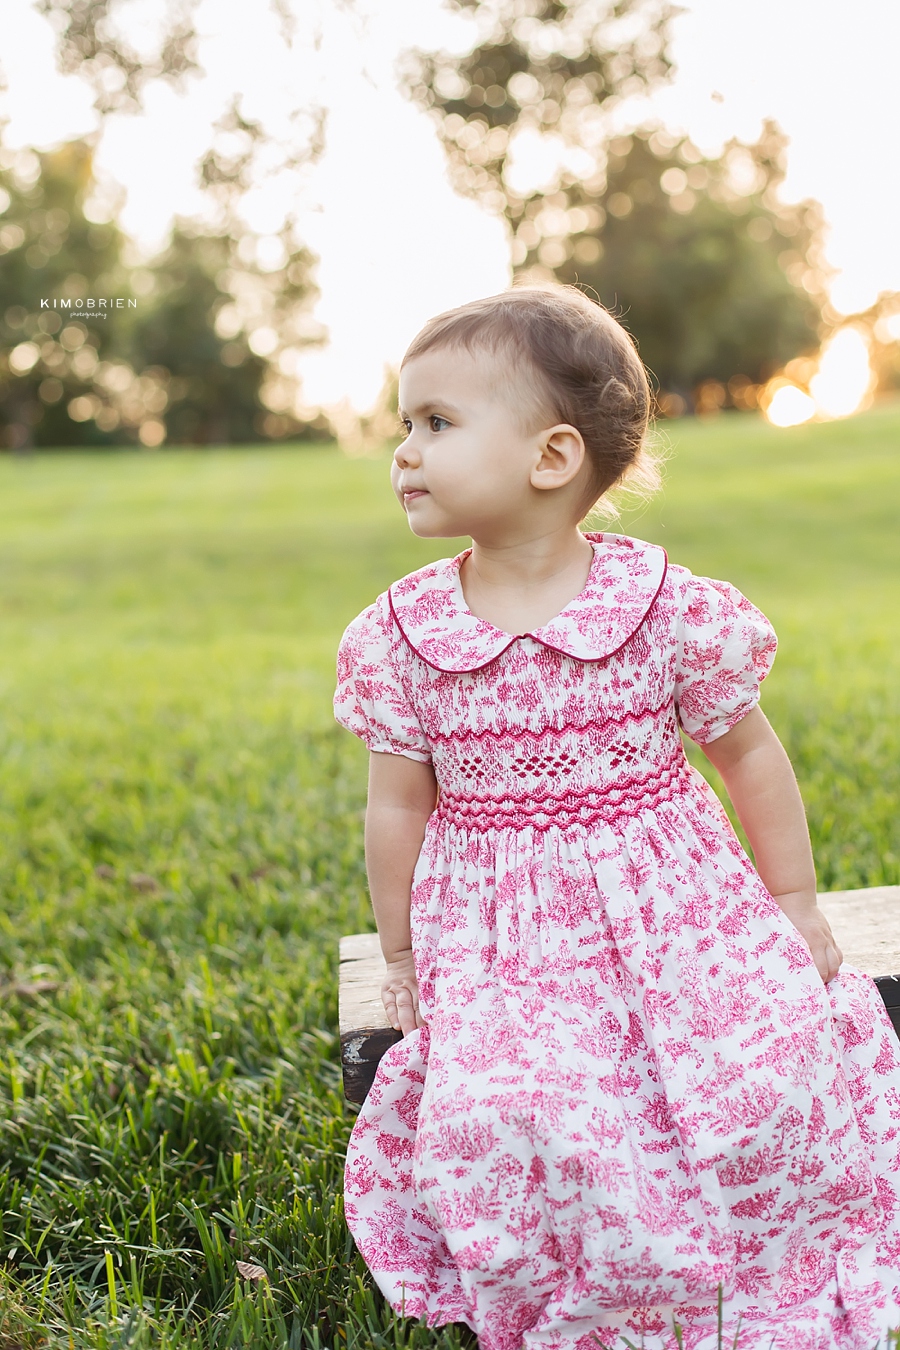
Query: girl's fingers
(390,1007)
(402,1008)
(832,962)
(406,1010)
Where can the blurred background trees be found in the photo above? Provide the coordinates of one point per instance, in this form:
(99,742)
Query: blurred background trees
(722,283)
(718,280)
(90,43)
(205,350)
(50,247)
(192,358)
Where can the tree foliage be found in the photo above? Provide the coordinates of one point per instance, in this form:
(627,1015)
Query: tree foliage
(49,248)
(196,353)
(541,65)
(89,43)
(718,280)
(223,313)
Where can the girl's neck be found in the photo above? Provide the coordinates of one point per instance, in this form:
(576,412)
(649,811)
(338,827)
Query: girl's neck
(522,584)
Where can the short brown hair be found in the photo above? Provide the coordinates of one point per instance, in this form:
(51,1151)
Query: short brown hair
(588,370)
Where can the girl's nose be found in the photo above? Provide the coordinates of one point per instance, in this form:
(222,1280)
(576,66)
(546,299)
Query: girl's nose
(406,456)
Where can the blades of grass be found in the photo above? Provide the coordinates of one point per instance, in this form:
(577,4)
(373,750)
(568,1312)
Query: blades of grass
(111,1286)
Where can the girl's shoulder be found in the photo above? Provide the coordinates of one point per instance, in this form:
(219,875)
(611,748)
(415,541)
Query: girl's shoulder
(689,592)
(698,599)
(644,570)
(426,588)
(709,621)
(415,599)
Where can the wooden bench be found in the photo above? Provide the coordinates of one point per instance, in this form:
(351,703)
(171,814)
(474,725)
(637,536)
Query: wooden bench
(866,923)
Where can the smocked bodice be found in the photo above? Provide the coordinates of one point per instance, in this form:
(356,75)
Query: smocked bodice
(567,744)
(575,723)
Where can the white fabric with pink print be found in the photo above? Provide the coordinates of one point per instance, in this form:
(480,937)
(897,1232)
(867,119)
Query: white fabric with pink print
(632,1093)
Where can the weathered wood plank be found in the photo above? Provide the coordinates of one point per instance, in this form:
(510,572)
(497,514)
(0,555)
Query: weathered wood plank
(362,970)
(365,1030)
(866,923)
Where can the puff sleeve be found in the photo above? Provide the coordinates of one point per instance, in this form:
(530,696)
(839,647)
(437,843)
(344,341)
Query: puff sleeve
(726,647)
(370,699)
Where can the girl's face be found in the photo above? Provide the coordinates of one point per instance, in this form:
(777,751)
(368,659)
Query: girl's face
(466,466)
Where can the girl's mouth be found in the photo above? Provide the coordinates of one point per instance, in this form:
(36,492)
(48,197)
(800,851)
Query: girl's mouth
(410,494)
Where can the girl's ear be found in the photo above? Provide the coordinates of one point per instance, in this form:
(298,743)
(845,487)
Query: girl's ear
(561,455)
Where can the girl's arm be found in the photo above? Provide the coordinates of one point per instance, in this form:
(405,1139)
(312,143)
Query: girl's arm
(760,782)
(402,795)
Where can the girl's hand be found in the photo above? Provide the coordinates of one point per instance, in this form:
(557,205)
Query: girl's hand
(815,930)
(400,993)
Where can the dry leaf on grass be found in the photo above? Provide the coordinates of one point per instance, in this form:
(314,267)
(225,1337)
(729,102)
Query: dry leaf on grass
(248,1271)
(141,881)
(28,988)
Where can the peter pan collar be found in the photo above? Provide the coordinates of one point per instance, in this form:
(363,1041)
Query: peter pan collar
(625,578)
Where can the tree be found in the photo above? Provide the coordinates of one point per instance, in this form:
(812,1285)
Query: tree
(540,66)
(88,44)
(719,282)
(212,353)
(208,332)
(50,249)
(195,354)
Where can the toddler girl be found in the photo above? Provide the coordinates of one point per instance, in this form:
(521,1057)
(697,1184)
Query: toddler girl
(634,1097)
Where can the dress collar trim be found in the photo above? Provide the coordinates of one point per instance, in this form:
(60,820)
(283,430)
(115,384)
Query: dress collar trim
(625,578)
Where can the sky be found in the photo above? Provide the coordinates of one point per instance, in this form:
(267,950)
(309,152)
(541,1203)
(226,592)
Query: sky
(395,244)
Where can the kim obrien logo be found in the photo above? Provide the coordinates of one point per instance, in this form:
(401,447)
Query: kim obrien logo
(95,307)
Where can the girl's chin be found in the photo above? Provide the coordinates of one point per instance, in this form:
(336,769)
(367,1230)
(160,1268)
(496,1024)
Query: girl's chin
(428,526)
(423,531)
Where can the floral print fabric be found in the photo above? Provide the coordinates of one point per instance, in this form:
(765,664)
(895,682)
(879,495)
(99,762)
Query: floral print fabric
(632,1091)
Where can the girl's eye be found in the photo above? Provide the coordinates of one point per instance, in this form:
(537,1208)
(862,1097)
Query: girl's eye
(406,425)
(437,423)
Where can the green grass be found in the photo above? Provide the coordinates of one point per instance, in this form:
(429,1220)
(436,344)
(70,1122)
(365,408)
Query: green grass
(167,633)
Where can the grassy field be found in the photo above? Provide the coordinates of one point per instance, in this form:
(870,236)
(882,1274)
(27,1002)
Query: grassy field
(180,841)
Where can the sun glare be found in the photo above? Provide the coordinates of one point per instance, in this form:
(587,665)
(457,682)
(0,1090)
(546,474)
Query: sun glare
(841,385)
(788,406)
(844,377)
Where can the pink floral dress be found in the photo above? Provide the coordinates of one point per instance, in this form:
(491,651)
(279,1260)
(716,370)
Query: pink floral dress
(633,1094)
